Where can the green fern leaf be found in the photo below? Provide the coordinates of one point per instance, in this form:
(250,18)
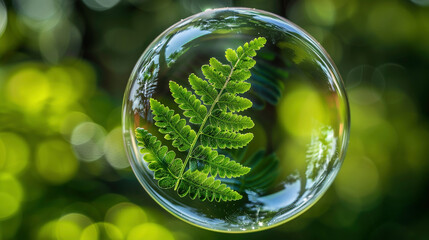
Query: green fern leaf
(207,92)
(231,56)
(249,49)
(238,87)
(196,184)
(214,137)
(230,121)
(162,162)
(225,70)
(234,103)
(240,75)
(188,102)
(246,52)
(246,63)
(172,126)
(217,164)
(211,110)
(216,78)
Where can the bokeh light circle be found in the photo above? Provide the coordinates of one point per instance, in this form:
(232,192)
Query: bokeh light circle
(126,216)
(300,111)
(49,167)
(11,195)
(101,230)
(14,153)
(151,231)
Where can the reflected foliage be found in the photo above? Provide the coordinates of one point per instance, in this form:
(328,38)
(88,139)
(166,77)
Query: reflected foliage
(267,82)
(147,84)
(263,174)
(321,152)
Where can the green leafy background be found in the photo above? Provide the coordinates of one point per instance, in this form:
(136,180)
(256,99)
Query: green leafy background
(63,69)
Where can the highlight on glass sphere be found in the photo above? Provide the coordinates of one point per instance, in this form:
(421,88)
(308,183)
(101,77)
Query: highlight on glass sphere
(235,120)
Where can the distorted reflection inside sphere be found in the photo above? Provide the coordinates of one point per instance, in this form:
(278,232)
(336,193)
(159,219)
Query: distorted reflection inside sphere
(254,142)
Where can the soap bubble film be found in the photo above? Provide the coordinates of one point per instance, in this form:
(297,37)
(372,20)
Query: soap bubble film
(300,112)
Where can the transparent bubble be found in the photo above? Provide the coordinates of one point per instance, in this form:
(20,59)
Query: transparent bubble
(299,108)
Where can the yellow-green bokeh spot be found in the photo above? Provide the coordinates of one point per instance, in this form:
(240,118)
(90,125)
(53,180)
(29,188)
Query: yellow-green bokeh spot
(322,12)
(71,226)
(67,230)
(291,155)
(28,88)
(62,92)
(55,161)
(47,231)
(14,153)
(11,195)
(358,182)
(302,110)
(150,231)
(9,205)
(126,216)
(60,230)
(114,150)
(102,231)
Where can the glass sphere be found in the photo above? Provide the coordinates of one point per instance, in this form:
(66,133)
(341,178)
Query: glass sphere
(299,109)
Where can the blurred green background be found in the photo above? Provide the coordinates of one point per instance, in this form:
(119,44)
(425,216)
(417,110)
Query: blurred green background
(63,69)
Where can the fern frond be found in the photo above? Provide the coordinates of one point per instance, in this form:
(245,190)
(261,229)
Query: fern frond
(211,107)
(188,102)
(214,137)
(234,103)
(162,162)
(207,92)
(217,164)
(196,184)
(230,121)
(172,126)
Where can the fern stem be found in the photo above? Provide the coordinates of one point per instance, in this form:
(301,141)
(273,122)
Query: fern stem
(204,122)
